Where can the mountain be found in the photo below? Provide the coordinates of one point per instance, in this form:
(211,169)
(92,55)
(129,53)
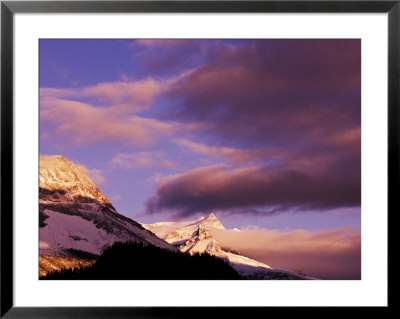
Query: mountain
(76,220)
(78,224)
(195,237)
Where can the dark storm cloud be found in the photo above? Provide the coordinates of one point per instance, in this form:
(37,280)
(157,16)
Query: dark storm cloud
(274,91)
(318,186)
(299,96)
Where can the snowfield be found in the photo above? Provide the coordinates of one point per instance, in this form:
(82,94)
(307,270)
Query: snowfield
(64,232)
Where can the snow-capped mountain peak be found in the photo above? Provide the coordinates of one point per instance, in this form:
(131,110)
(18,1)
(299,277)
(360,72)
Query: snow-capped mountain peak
(75,216)
(212,216)
(212,221)
(195,237)
(58,174)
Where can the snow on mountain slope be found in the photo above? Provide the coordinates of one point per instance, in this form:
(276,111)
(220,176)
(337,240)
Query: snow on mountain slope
(195,237)
(75,217)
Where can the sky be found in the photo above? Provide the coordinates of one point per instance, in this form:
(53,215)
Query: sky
(264,133)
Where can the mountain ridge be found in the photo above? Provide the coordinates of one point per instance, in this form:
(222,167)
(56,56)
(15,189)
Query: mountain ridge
(195,237)
(78,222)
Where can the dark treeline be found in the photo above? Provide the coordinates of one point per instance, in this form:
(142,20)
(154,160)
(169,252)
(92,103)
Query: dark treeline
(128,261)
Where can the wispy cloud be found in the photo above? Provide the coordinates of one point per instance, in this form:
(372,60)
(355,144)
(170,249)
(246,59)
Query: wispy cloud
(142,160)
(329,254)
(234,155)
(84,124)
(163,57)
(116,197)
(97,176)
(134,96)
(107,112)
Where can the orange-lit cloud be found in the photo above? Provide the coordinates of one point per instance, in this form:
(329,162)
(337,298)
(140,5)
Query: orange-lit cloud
(134,96)
(143,160)
(240,156)
(329,254)
(348,139)
(108,112)
(83,124)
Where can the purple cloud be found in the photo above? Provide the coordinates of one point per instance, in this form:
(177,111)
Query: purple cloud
(164,57)
(274,91)
(318,186)
(289,108)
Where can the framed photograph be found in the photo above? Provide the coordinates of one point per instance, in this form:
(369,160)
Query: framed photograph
(162,158)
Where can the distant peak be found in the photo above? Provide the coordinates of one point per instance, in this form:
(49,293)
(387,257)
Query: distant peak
(212,216)
(213,221)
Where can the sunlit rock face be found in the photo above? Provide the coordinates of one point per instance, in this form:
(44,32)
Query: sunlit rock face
(75,217)
(57,174)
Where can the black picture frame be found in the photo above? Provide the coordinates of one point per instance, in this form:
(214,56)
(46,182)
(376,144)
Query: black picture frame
(9,8)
